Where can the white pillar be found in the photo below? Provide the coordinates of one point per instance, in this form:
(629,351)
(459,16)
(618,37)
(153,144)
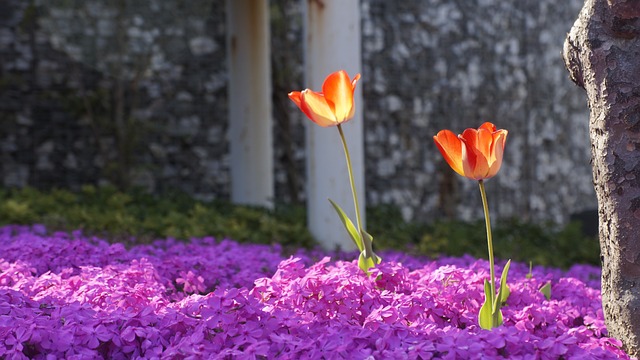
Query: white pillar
(250,118)
(332,42)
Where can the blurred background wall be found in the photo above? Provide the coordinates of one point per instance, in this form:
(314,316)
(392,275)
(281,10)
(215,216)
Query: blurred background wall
(134,93)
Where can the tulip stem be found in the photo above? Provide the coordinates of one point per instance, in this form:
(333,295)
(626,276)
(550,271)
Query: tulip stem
(485,206)
(353,184)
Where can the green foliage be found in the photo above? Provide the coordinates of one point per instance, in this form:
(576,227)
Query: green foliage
(504,292)
(357,238)
(489,317)
(392,232)
(542,244)
(546,290)
(120,216)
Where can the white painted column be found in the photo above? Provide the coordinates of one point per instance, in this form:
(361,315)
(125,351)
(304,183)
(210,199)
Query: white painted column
(250,117)
(332,43)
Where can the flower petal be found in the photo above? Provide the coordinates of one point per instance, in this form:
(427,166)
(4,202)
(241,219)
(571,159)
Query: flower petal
(296,97)
(338,91)
(485,143)
(475,165)
(316,108)
(450,147)
(476,143)
(499,139)
(479,139)
(489,126)
(353,85)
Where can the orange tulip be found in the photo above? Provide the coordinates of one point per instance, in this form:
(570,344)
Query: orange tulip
(334,105)
(475,154)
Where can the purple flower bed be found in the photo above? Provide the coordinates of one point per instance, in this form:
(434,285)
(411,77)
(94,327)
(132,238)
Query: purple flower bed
(70,296)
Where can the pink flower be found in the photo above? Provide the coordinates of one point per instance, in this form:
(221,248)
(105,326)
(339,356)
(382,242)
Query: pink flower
(301,309)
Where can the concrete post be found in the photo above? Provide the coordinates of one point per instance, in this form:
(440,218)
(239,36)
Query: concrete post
(332,42)
(250,118)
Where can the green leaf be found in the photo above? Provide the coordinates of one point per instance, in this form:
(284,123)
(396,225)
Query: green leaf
(367,242)
(497,318)
(530,274)
(365,263)
(368,247)
(367,236)
(351,229)
(546,290)
(367,258)
(485,317)
(504,292)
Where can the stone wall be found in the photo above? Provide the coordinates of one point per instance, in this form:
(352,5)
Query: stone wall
(134,93)
(114,92)
(453,64)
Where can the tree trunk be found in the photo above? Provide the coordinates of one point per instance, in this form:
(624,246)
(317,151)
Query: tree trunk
(602,54)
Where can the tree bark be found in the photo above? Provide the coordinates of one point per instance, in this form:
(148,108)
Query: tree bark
(602,54)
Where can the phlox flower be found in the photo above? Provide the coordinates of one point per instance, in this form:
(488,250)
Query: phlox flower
(125,308)
(191,282)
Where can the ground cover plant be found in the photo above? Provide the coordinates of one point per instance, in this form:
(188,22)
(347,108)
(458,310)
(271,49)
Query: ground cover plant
(116,216)
(69,295)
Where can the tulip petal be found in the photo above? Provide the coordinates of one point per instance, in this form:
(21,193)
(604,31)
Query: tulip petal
(474,164)
(470,136)
(485,142)
(334,105)
(338,91)
(469,139)
(315,106)
(475,145)
(480,150)
(480,139)
(495,134)
(296,97)
(353,85)
(500,137)
(450,147)
(489,126)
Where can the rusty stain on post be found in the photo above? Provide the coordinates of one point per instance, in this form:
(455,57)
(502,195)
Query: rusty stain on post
(233,46)
(319,2)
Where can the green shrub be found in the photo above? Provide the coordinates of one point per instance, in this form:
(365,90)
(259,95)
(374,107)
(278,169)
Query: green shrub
(542,244)
(121,216)
(141,217)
